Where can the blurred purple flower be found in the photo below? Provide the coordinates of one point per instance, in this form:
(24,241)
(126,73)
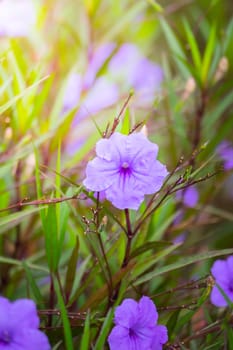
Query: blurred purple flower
(127,69)
(17,18)
(132,70)
(99,92)
(225,152)
(126,169)
(222,270)
(136,327)
(189,196)
(19,326)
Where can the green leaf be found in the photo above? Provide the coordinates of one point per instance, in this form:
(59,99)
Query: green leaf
(85,341)
(71,269)
(125,127)
(150,246)
(193,46)
(33,286)
(208,54)
(104,331)
(182,263)
(155,5)
(64,317)
(188,316)
(51,238)
(14,219)
(230,338)
(172,322)
(176,47)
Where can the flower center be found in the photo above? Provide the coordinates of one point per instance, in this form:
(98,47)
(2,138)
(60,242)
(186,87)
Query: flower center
(125,165)
(231,286)
(125,169)
(5,338)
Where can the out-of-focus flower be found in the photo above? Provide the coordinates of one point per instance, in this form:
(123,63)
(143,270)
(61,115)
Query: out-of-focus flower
(127,69)
(92,92)
(225,152)
(19,325)
(132,70)
(222,270)
(126,170)
(189,196)
(17,17)
(136,327)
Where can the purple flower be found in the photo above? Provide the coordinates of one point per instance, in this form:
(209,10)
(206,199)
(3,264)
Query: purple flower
(17,18)
(189,196)
(126,169)
(132,70)
(19,326)
(222,270)
(95,93)
(136,327)
(225,152)
(127,69)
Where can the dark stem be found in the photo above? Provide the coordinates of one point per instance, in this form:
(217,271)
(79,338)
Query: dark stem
(109,281)
(197,129)
(51,300)
(129,239)
(126,259)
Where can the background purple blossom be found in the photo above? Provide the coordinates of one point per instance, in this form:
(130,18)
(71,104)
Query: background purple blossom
(17,17)
(225,152)
(189,196)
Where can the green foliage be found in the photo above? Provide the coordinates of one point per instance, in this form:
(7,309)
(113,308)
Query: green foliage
(59,244)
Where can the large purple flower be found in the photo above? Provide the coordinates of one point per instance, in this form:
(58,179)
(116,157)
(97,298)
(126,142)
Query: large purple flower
(17,18)
(136,327)
(225,151)
(19,326)
(222,270)
(126,170)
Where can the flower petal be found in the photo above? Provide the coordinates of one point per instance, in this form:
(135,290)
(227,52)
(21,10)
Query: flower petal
(5,306)
(160,337)
(217,298)
(124,63)
(220,272)
(96,62)
(23,312)
(125,192)
(72,91)
(103,94)
(29,339)
(229,262)
(152,180)
(148,315)
(100,174)
(127,313)
(119,338)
